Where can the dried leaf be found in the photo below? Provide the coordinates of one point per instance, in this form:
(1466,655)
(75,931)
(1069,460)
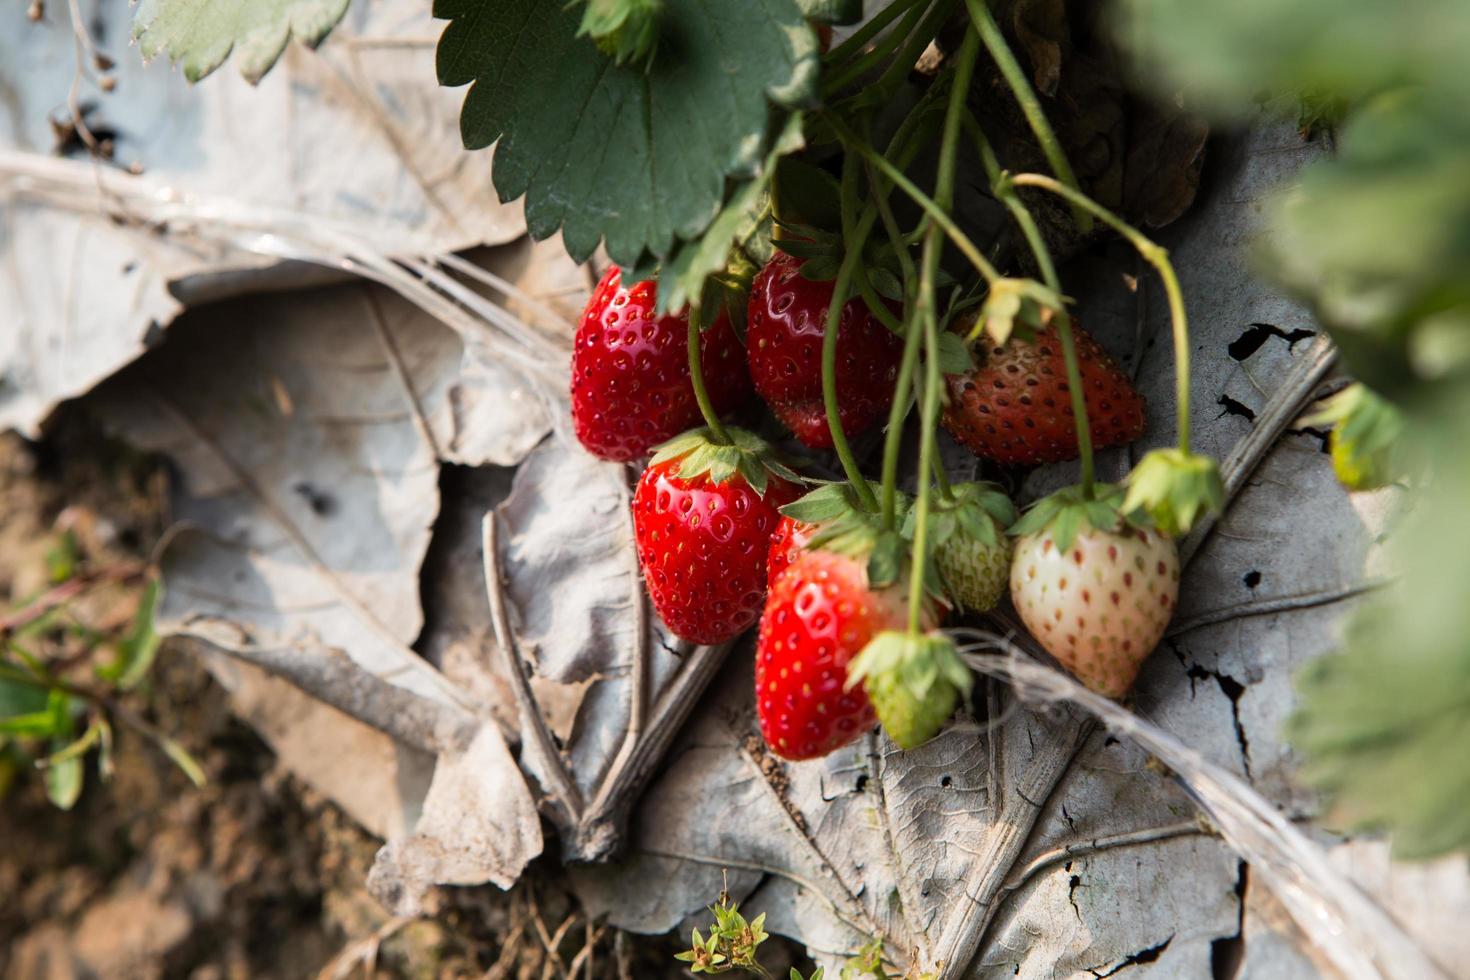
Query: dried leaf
(83,294)
(479,824)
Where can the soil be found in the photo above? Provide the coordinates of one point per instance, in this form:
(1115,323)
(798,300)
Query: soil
(252,874)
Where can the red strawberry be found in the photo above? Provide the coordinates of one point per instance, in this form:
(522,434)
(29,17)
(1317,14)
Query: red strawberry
(786,322)
(1015,408)
(630,371)
(1095,591)
(787,544)
(703,517)
(820,614)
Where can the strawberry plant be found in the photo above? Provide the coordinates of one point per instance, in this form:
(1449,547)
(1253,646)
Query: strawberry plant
(876,217)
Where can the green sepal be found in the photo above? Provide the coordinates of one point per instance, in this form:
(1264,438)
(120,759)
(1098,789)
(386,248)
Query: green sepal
(624,30)
(980,510)
(823,268)
(886,560)
(914,681)
(1366,431)
(954,354)
(886,283)
(826,503)
(747,454)
(1067,512)
(1174,489)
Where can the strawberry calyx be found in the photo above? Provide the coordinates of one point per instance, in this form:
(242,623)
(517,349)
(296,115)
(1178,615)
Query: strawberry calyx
(1174,488)
(1013,306)
(1070,510)
(846,528)
(914,681)
(746,455)
(979,511)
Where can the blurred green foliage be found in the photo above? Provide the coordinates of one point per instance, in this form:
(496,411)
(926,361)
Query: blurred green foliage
(1377,240)
(61,676)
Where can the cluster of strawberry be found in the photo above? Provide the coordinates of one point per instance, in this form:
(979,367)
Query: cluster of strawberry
(725,536)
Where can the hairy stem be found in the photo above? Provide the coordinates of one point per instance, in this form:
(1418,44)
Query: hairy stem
(928,420)
(934,211)
(1020,87)
(1006,191)
(696,378)
(903,61)
(829,382)
(1156,256)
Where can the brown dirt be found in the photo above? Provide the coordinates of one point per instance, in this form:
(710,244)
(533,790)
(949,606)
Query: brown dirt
(252,875)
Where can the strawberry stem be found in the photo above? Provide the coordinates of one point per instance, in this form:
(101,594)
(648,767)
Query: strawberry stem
(1020,87)
(1004,189)
(928,421)
(846,67)
(829,384)
(925,314)
(1156,256)
(718,435)
(934,211)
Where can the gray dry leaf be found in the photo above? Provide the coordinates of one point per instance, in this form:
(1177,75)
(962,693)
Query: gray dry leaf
(355,133)
(308,430)
(1040,847)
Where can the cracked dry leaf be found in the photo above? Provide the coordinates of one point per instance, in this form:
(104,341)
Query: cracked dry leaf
(308,429)
(82,295)
(1069,853)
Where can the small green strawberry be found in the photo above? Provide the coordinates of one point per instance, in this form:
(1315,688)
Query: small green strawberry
(971,550)
(913,680)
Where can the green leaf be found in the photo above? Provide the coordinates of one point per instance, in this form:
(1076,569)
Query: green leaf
(1384,731)
(64,781)
(183,759)
(61,558)
(826,503)
(200,34)
(1226,54)
(886,561)
(954,354)
(140,647)
(20,698)
(742,219)
(807,194)
(607,152)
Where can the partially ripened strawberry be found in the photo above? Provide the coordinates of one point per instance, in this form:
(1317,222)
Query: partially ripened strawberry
(703,515)
(1094,590)
(787,544)
(786,322)
(820,614)
(630,371)
(1015,406)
